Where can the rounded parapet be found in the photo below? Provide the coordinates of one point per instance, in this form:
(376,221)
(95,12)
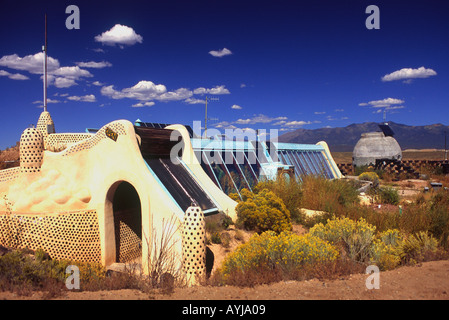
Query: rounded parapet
(31,149)
(45,124)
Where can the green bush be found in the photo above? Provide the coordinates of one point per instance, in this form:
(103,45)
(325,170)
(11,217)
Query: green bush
(332,196)
(389,195)
(27,270)
(439,216)
(262,211)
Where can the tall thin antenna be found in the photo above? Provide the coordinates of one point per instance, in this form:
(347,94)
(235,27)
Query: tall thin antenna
(206,118)
(44,48)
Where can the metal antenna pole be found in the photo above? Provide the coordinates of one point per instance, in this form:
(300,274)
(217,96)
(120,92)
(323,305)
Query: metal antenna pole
(205,121)
(45,66)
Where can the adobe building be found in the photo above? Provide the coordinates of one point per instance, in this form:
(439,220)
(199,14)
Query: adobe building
(105,196)
(108,195)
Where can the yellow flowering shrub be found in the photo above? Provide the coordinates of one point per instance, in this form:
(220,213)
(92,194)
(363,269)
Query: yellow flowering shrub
(385,252)
(284,252)
(356,237)
(369,176)
(417,247)
(263,211)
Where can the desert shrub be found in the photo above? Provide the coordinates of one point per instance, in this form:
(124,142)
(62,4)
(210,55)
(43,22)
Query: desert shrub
(388,195)
(418,247)
(283,254)
(332,196)
(370,176)
(25,271)
(384,250)
(313,192)
(262,211)
(384,219)
(414,218)
(289,190)
(439,216)
(215,237)
(354,237)
(217,222)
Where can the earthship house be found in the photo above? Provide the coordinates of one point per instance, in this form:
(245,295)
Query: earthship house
(106,196)
(109,195)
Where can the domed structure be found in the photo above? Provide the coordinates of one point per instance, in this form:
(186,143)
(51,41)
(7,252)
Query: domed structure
(374,146)
(31,149)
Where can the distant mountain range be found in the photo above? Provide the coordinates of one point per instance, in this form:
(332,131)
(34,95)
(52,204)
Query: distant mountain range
(345,138)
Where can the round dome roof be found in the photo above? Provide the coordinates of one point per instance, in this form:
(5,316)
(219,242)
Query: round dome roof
(375,145)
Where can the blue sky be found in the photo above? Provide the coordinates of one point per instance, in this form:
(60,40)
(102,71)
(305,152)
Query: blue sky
(272,64)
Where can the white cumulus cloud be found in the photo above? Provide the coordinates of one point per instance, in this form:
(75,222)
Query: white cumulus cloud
(93,64)
(220,53)
(120,35)
(217,90)
(236,107)
(409,73)
(143,104)
(74,73)
(31,63)
(86,98)
(381,103)
(13,76)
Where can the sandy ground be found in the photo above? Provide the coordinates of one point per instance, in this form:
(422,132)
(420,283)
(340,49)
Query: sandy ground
(426,281)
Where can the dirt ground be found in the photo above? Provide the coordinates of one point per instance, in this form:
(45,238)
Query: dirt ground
(426,281)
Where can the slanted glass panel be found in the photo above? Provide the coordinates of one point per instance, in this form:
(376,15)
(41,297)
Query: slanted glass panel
(291,161)
(179,183)
(305,163)
(325,165)
(298,170)
(205,164)
(245,168)
(311,163)
(301,169)
(319,164)
(234,170)
(213,159)
(254,162)
(221,171)
(260,151)
(281,158)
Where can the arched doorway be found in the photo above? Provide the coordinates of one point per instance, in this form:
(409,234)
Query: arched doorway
(127,223)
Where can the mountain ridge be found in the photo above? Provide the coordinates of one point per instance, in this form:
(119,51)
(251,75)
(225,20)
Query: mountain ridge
(345,138)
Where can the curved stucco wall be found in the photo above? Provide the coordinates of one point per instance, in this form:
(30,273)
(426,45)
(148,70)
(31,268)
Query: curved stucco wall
(375,145)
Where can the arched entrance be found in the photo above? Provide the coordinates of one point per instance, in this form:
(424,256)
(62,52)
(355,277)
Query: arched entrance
(127,215)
